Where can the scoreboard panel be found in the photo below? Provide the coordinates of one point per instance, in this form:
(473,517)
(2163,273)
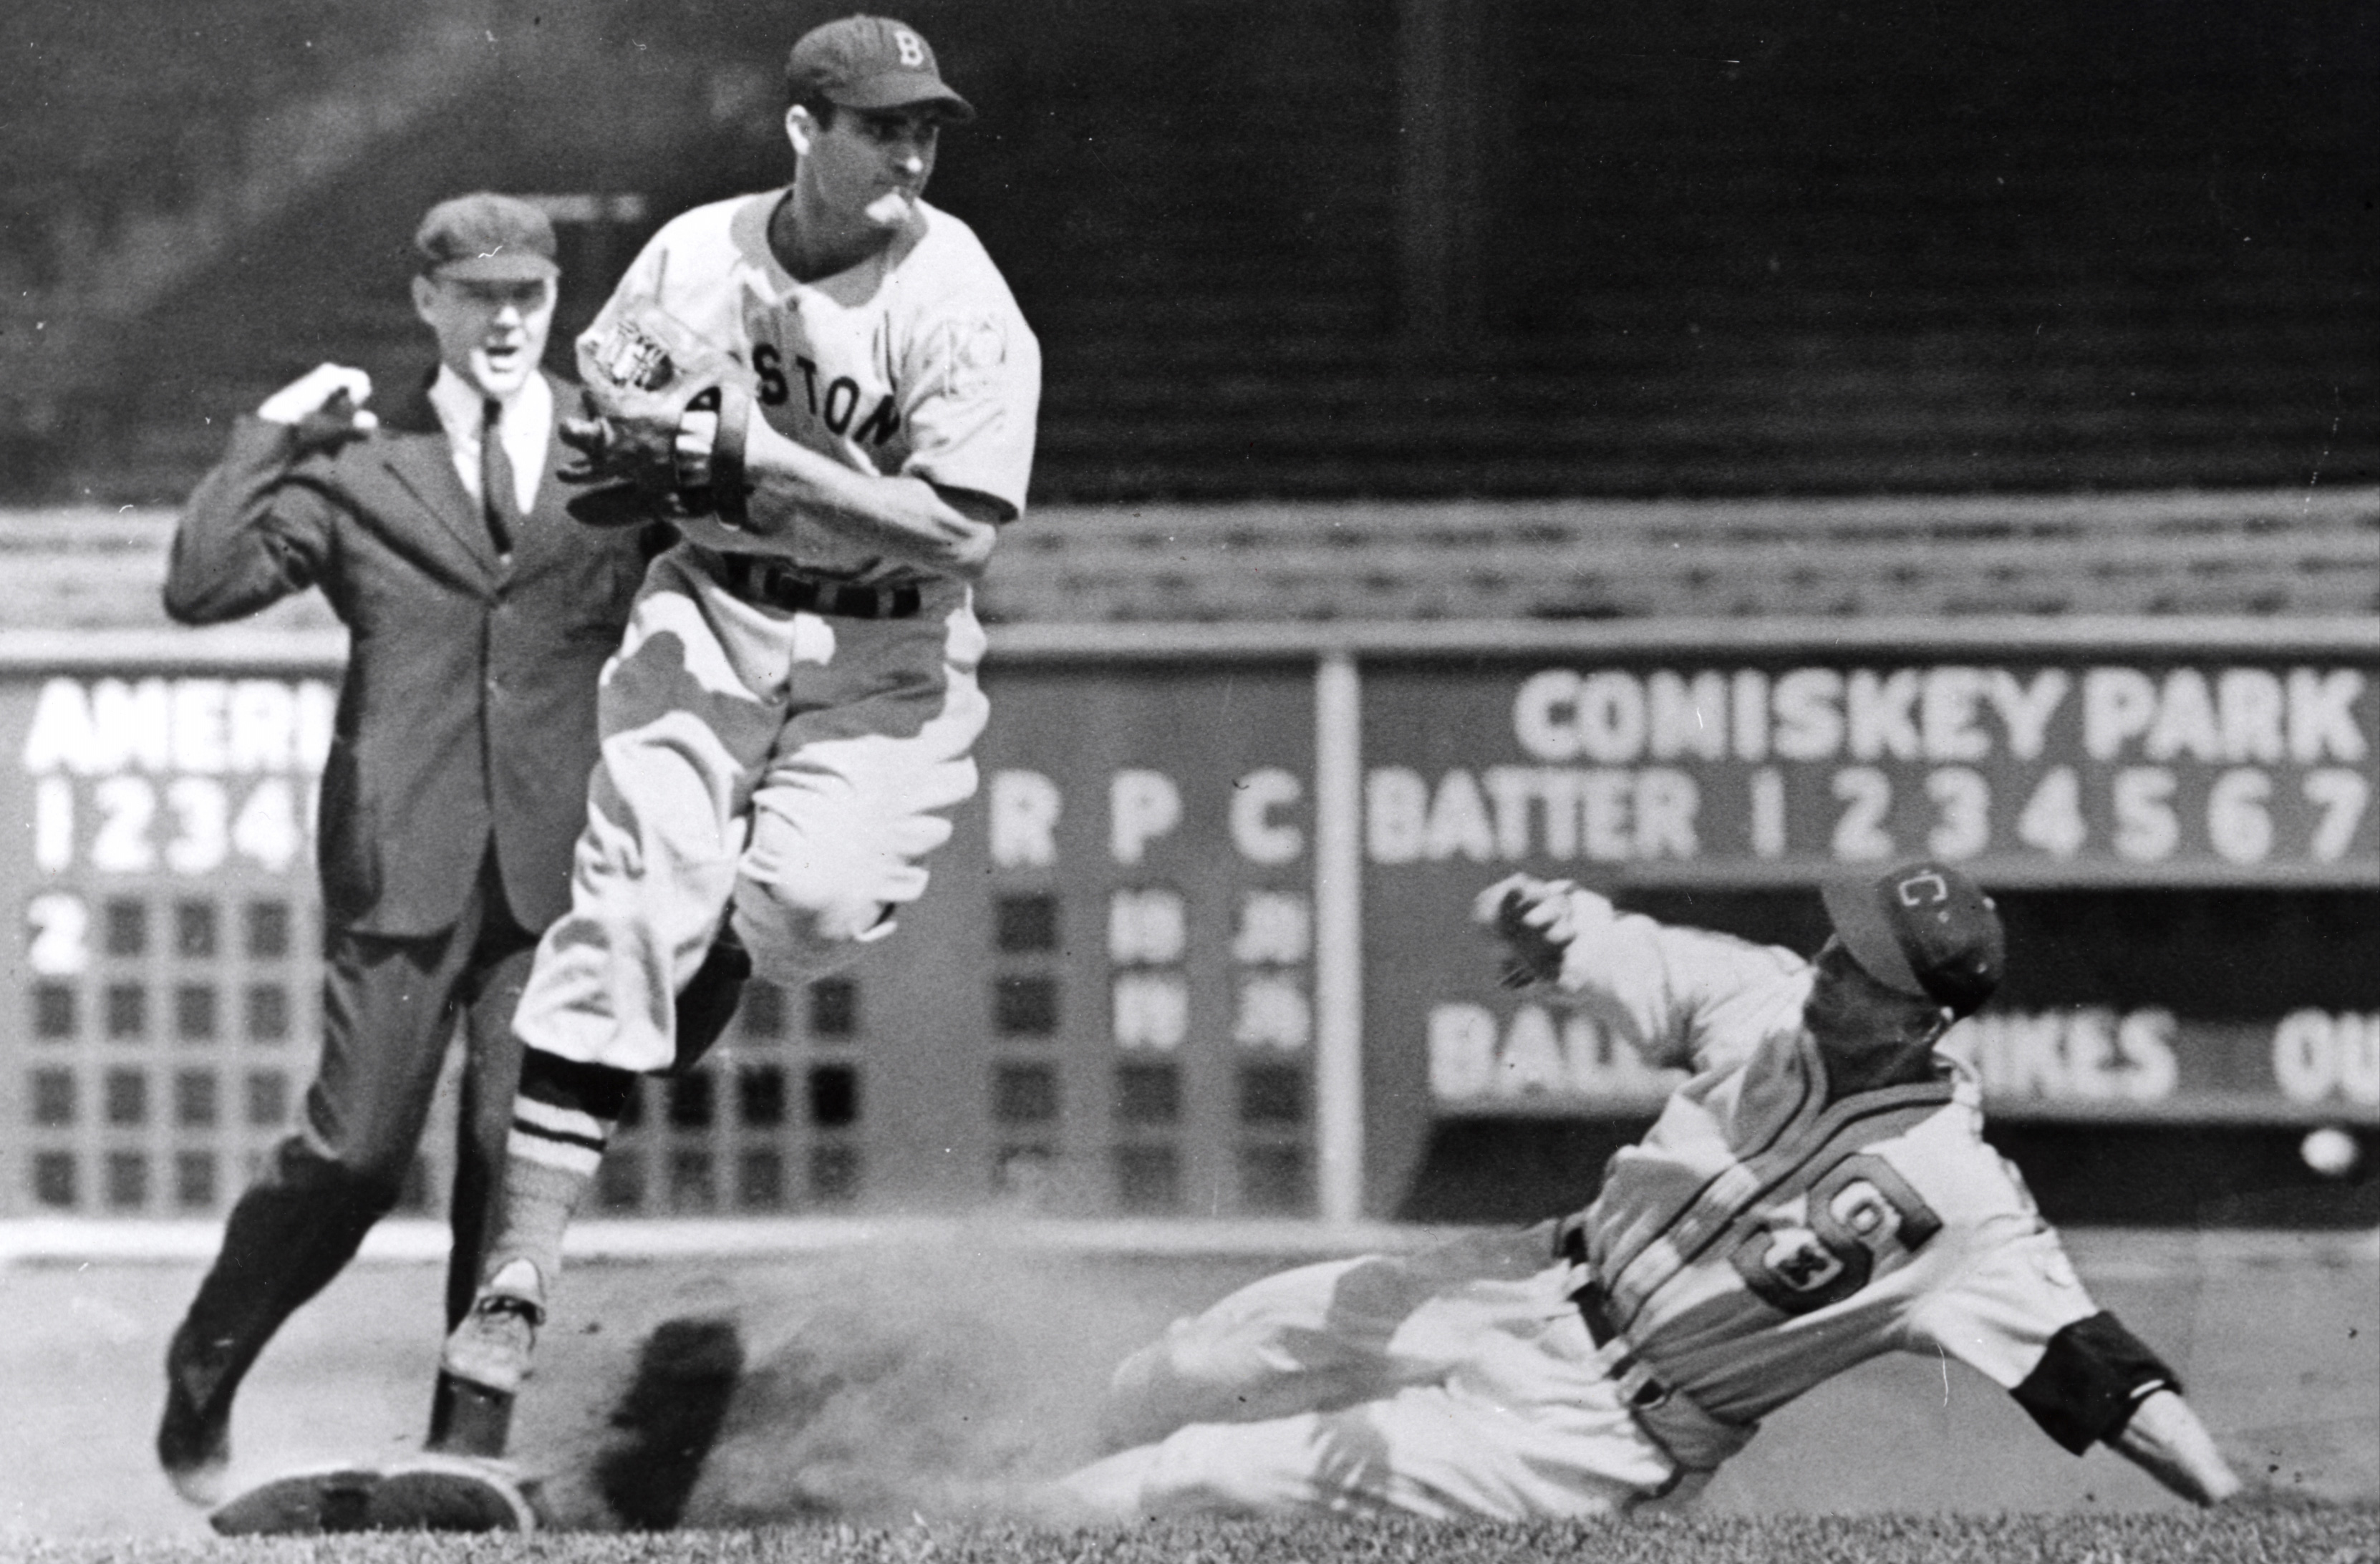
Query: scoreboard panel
(1199,944)
(166,983)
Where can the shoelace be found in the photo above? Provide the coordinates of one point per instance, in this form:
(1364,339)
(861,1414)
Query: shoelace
(506,1303)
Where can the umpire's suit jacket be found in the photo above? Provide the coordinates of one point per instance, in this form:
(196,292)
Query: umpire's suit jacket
(468,710)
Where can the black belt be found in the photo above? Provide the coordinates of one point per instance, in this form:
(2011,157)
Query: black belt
(770,582)
(1595,1311)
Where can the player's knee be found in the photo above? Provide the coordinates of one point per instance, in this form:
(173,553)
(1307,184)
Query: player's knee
(791,943)
(361,1178)
(375,1184)
(803,927)
(1194,1373)
(1195,1351)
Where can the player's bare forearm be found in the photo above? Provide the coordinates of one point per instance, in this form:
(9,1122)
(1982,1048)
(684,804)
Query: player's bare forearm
(2165,1439)
(796,488)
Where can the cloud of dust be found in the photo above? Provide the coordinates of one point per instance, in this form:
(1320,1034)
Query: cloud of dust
(944,1379)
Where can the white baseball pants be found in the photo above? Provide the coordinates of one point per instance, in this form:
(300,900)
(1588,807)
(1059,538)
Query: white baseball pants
(1458,1382)
(802,763)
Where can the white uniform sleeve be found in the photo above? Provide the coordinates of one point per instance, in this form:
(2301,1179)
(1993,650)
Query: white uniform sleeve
(641,281)
(1682,998)
(1998,1312)
(971,398)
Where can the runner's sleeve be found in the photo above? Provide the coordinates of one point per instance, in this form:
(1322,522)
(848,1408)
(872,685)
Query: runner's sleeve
(2018,1314)
(1682,998)
(972,394)
(641,281)
(2089,1379)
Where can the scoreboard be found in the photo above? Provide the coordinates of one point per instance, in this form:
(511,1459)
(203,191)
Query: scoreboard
(1199,944)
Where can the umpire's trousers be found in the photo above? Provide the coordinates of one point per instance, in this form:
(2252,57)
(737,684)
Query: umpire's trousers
(389,1007)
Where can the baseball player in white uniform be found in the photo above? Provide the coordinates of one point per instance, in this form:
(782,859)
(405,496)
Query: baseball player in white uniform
(829,390)
(1817,1194)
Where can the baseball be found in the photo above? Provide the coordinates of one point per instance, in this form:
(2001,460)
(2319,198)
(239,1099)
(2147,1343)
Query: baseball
(2331,1152)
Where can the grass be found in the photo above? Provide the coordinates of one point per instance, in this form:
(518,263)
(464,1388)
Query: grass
(2282,1534)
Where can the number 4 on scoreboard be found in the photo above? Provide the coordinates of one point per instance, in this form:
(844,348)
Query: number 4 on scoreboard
(2053,815)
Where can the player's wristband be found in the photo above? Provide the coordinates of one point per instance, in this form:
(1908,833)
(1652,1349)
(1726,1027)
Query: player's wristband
(2090,1376)
(729,491)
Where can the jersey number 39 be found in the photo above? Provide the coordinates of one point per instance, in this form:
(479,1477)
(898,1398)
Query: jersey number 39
(1859,1212)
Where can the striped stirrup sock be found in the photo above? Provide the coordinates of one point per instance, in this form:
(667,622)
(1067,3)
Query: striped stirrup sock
(563,1117)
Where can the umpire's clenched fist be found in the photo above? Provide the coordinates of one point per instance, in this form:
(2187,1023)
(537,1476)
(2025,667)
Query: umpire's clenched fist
(324,405)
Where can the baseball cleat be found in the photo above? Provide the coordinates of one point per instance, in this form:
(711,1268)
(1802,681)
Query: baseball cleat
(484,1362)
(430,1493)
(441,1493)
(194,1434)
(492,1346)
(300,1504)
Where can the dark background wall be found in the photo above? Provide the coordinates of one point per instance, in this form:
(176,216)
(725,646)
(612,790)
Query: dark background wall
(1325,249)
(2212,956)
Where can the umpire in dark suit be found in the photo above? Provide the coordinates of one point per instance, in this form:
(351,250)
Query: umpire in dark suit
(479,617)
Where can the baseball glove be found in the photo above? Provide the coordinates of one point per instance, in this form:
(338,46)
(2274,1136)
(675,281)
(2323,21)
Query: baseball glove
(666,414)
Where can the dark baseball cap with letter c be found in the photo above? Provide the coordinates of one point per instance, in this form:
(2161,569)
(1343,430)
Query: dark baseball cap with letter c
(871,63)
(1924,930)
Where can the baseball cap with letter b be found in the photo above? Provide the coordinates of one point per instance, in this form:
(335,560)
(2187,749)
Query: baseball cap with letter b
(1924,930)
(871,63)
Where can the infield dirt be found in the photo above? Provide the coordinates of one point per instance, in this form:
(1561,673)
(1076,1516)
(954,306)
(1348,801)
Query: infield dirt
(921,1370)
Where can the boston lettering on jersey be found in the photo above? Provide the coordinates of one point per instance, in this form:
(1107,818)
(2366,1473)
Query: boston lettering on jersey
(833,407)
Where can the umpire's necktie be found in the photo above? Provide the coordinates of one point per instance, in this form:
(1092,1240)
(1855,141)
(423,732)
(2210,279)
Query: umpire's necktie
(498,499)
